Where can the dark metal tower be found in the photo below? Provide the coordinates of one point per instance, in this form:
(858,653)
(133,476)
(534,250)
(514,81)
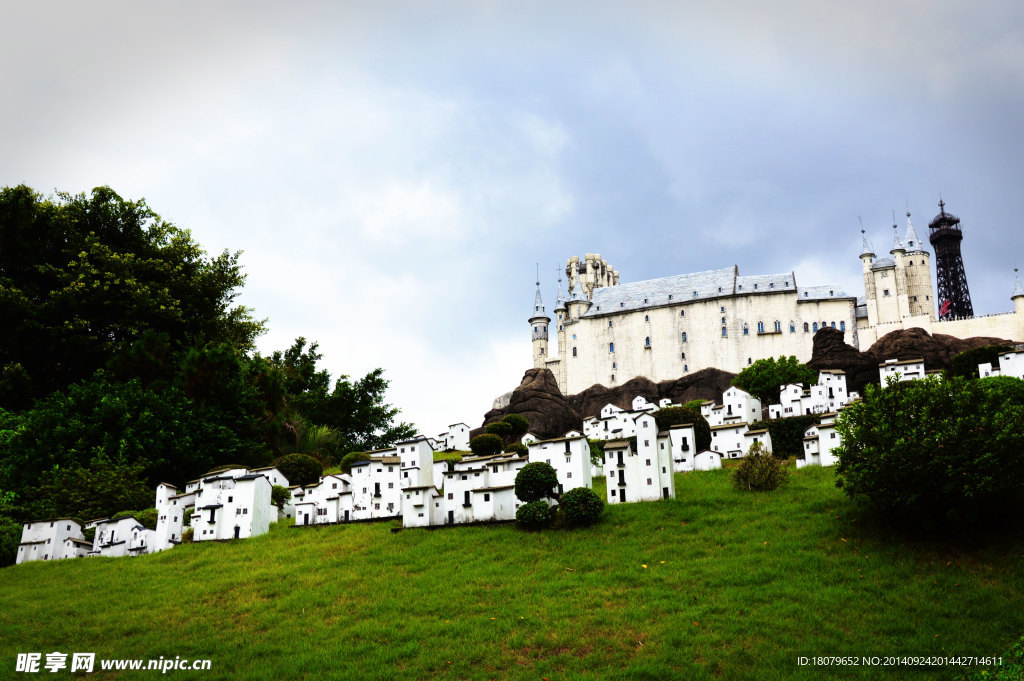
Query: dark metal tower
(954,298)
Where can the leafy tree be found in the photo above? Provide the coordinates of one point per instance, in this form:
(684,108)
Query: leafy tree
(499,428)
(596,452)
(517,448)
(535,481)
(351,458)
(85,278)
(520,425)
(759,471)
(581,506)
(300,469)
(674,416)
(534,515)
(966,363)
(788,433)
(98,490)
(487,444)
(765,377)
(935,451)
(147,517)
(279,496)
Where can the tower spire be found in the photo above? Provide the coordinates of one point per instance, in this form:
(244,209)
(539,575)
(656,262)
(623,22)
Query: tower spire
(1018,290)
(912,241)
(865,246)
(945,235)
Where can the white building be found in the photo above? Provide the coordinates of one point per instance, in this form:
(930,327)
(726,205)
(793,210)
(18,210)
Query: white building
(570,457)
(456,438)
(170,521)
(643,475)
(230,507)
(121,537)
(417,459)
(682,443)
(376,487)
(740,404)
(1011,363)
(421,507)
(707,460)
(906,370)
(325,502)
(829,394)
(728,439)
(51,540)
(820,442)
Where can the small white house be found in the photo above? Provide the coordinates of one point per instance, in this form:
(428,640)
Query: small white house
(729,439)
(417,467)
(820,443)
(760,435)
(421,507)
(51,540)
(170,522)
(228,507)
(682,442)
(376,488)
(741,405)
(122,537)
(457,437)
(906,370)
(570,457)
(494,503)
(707,460)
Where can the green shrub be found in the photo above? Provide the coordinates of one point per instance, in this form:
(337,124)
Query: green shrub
(759,471)
(300,469)
(10,537)
(519,423)
(499,428)
(673,416)
(596,452)
(935,451)
(186,519)
(488,444)
(279,496)
(517,448)
(186,536)
(535,481)
(581,507)
(346,461)
(966,363)
(534,515)
(147,518)
(765,377)
(788,433)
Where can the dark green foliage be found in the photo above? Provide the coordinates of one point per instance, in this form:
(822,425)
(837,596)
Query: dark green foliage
(97,490)
(935,451)
(300,469)
(487,444)
(535,515)
(596,451)
(673,416)
(10,537)
(537,480)
(759,471)
(517,448)
(186,519)
(788,433)
(279,496)
(763,378)
(520,425)
(351,458)
(581,507)
(147,517)
(499,428)
(966,363)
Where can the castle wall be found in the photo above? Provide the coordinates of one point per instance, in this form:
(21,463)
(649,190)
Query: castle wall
(1009,325)
(668,356)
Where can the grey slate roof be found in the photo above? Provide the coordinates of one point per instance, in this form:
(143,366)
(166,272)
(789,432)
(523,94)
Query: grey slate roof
(822,293)
(882,263)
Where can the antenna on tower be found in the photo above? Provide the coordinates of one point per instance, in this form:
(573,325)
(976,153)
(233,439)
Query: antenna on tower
(538,274)
(908,210)
(861,224)
(894,218)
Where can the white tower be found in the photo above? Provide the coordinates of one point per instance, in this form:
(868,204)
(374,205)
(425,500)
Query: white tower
(539,321)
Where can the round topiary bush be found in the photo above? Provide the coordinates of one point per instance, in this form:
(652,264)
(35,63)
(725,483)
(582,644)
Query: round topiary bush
(581,507)
(674,416)
(759,471)
(488,444)
(346,461)
(534,515)
(537,480)
(517,448)
(499,428)
(520,425)
(300,469)
(279,496)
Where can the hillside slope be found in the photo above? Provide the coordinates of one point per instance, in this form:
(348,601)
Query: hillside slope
(714,584)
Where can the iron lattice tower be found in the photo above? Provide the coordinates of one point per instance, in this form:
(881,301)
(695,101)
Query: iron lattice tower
(945,236)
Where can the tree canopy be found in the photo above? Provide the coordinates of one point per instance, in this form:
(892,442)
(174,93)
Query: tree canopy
(765,377)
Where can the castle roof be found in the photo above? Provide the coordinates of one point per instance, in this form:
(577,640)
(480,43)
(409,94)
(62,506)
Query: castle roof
(706,285)
(910,239)
(883,263)
(1018,290)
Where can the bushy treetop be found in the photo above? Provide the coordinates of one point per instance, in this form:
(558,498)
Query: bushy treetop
(765,377)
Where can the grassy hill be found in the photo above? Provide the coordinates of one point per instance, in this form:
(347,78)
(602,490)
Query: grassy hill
(714,584)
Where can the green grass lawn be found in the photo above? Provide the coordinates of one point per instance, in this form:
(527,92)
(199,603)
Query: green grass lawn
(715,584)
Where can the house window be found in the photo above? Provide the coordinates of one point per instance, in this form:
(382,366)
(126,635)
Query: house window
(885,292)
(833,325)
(792,327)
(611,347)
(230,499)
(686,367)
(684,338)
(684,356)
(725,333)
(746,329)
(609,322)
(574,352)
(487,497)
(647,342)
(391,485)
(615,365)
(451,495)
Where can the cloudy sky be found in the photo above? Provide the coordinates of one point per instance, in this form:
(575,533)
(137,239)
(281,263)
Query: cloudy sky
(392,173)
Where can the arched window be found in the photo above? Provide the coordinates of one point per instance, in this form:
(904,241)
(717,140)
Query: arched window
(746,329)
(842,326)
(725,333)
(615,365)
(806,329)
(815,327)
(684,336)
(611,347)
(647,342)
(833,325)
(778,326)
(684,356)
(574,352)
(647,317)
(686,367)
(792,326)
(682,313)
(760,327)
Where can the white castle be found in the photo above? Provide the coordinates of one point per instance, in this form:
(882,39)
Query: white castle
(662,329)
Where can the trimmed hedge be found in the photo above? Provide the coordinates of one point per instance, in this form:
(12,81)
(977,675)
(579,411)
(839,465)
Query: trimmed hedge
(581,507)
(517,448)
(534,515)
(499,428)
(788,433)
(520,425)
(487,444)
(535,481)
(300,469)
(673,416)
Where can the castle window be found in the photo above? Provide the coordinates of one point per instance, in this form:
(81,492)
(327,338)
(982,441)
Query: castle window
(740,287)
(830,293)
(746,329)
(645,300)
(719,289)
(750,360)
(694,294)
(787,284)
(686,367)
(613,378)
(684,356)
(670,296)
(806,329)
(609,322)
(723,307)
(885,292)
(535,329)
(682,313)
(559,327)
(615,365)
(647,317)
(647,342)
(574,352)
(611,347)
(792,327)
(778,326)
(725,333)
(760,327)
(723,320)
(622,305)
(833,325)
(684,336)
(815,327)
(755,287)
(771,284)
(915,299)
(842,326)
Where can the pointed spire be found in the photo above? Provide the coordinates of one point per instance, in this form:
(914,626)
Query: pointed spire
(559,301)
(538,304)
(866,248)
(1018,290)
(911,239)
(897,245)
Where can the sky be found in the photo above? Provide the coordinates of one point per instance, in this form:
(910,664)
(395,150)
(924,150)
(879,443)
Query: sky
(393,171)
